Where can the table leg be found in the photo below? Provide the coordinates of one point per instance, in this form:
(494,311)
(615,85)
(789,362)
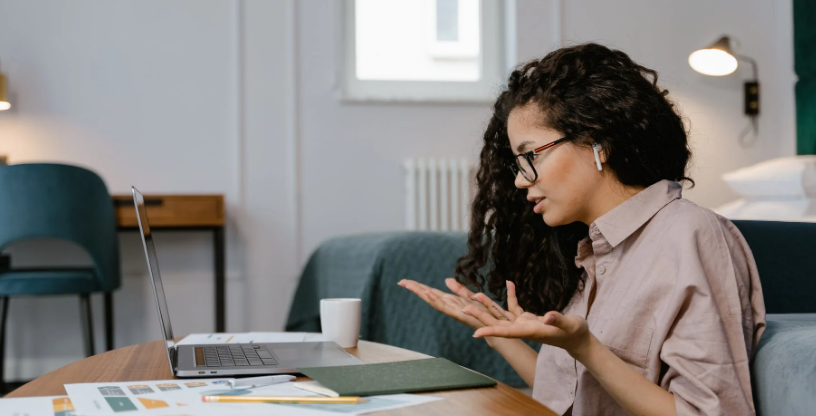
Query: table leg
(220,289)
(108,321)
(4,302)
(87,323)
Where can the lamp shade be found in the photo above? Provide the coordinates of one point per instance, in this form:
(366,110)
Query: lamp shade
(4,102)
(715,60)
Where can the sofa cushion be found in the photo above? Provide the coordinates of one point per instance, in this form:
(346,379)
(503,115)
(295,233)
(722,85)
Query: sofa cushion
(784,366)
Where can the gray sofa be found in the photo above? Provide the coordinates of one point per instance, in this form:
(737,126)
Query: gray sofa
(369,267)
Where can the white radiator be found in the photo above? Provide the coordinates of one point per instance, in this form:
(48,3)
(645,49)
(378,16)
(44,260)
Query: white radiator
(438,194)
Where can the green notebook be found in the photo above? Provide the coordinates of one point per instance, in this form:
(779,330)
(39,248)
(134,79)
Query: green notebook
(400,377)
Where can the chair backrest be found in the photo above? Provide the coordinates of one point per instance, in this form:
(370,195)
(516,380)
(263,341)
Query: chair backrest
(44,200)
(786,259)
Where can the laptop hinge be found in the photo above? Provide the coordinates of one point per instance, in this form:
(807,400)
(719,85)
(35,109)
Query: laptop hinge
(174,357)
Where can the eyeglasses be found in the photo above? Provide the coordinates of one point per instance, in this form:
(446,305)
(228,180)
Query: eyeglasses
(524,162)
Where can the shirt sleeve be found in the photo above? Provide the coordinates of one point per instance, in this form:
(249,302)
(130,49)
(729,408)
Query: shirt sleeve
(707,349)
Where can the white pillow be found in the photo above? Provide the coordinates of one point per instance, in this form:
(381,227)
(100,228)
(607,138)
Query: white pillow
(796,210)
(792,176)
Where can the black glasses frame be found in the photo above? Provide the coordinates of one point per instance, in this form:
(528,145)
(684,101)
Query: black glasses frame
(516,167)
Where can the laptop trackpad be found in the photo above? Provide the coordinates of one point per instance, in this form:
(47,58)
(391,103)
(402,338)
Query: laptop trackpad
(308,351)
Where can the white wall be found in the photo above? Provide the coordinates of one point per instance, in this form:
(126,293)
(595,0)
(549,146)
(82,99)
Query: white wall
(660,35)
(238,98)
(191,96)
(352,152)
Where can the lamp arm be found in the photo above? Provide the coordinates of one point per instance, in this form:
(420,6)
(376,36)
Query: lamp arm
(750,61)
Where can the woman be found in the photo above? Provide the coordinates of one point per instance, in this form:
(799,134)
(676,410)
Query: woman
(644,303)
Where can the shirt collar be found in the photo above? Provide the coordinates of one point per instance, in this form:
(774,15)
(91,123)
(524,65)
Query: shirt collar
(623,220)
(585,252)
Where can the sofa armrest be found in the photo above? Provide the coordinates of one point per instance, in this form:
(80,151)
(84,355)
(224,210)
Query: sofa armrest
(783,370)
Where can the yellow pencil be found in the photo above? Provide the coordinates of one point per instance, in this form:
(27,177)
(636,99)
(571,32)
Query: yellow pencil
(282,399)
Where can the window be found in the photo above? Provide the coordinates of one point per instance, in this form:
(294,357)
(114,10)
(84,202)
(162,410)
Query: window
(422,50)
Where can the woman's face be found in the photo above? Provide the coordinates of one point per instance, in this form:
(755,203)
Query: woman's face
(568,177)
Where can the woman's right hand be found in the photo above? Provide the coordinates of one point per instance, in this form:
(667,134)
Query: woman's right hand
(453,304)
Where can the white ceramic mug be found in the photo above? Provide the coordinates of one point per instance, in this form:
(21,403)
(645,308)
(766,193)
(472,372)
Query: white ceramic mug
(340,321)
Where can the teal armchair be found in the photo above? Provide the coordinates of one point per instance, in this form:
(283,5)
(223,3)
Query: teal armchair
(62,202)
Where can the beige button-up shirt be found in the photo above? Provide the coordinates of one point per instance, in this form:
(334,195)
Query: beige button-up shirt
(676,296)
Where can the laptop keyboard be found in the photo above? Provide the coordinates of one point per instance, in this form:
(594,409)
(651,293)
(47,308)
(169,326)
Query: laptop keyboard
(238,355)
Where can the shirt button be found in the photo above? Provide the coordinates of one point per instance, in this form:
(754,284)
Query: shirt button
(602,269)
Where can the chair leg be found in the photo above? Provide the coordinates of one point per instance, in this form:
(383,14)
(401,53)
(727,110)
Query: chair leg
(87,323)
(109,321)
(4,302)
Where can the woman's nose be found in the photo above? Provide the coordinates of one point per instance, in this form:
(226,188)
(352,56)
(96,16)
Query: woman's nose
(521,182)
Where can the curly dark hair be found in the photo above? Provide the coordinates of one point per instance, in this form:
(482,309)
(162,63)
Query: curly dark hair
(592,94)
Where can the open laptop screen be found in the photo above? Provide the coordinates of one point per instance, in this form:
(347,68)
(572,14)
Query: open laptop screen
(155,277)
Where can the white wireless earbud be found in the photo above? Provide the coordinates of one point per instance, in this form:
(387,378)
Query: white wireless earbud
(595,149)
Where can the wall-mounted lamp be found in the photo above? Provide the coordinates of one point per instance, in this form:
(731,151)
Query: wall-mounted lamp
(4,105)
(719,60)
(4,102)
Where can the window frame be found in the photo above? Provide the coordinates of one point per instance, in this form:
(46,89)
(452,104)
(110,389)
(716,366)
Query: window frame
(492,61)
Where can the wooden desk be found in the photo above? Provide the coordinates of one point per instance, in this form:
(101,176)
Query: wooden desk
(184,213)
(149,362)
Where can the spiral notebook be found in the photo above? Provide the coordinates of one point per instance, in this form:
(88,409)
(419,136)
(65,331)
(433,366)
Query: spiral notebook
(432,374)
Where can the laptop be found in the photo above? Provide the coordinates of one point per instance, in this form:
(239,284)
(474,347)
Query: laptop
(230,359)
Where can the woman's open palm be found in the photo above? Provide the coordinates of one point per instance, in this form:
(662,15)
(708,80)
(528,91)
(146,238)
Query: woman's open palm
(565,331)
(453,304)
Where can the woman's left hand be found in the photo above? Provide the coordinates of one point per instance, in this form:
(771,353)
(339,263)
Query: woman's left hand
(569,332)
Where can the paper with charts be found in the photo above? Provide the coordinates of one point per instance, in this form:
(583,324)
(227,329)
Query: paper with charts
(183,397)
(62,406)
(136,396)
(37,406)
